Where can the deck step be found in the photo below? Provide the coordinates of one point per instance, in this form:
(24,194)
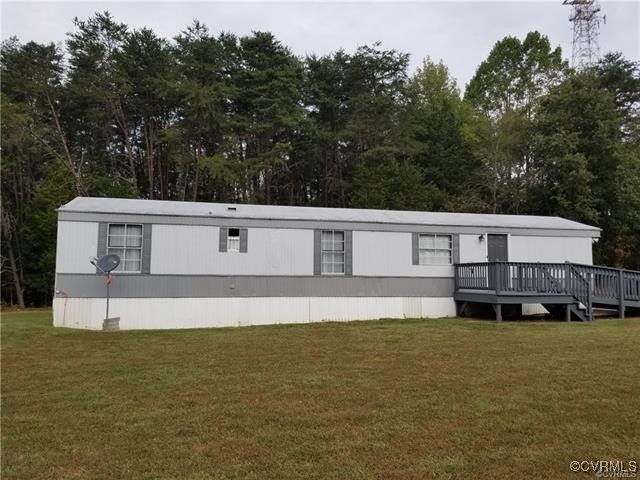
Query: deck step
(579,312)
(559,311)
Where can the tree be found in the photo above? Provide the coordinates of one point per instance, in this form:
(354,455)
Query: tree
(430,133)
(96,114)
(498,147)
(19,152)
(266,112)
(127,113)
(353,104)
(39,232)
(205,66)
(507,89)
(515,75)
(32,75)
(383,180)
(148,66)
(621,78)
(624,246)
(577,148)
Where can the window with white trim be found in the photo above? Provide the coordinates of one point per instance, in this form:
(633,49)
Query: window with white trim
(233,240)
(435,249)
(332,252)
(125,240)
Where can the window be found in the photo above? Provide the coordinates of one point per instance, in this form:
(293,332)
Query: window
(435,249)
(125,240)
(233,240)
(332,258)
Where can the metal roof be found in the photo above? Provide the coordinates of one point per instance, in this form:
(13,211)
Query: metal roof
(275,212)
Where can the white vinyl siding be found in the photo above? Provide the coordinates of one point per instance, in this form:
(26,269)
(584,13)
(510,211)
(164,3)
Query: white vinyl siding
(77,243)
(435,249)
(187,249)
(332,259)
(125,240)
(549,249)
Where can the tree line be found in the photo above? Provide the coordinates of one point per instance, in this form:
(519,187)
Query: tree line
(125,113)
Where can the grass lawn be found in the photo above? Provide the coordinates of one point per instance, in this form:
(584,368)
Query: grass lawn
(365,400)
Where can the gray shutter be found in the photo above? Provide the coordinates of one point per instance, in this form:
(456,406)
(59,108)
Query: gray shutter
(146,247)
(317,252)
(348,252)
(102,241)
(223,239)
(415,249)
(456,249)
(244,233)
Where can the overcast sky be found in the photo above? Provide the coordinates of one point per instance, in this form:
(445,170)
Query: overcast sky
(461,33)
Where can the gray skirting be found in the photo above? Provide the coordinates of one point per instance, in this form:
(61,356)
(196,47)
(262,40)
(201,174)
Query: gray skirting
(191,286)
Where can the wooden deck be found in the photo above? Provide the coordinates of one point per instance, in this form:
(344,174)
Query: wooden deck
(576,288)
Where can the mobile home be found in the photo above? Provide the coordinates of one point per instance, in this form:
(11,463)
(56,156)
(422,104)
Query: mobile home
(186,264)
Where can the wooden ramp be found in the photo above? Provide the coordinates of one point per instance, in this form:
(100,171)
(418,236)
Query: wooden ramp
(563,288)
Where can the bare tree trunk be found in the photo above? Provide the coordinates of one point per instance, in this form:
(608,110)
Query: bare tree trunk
(15,274)
(267,185)
(196,177)
(121,120)
(161,175)
(196,181)
(340,179)
(148,134)
(132,163)
(8,229)
(66,153)
(325,203)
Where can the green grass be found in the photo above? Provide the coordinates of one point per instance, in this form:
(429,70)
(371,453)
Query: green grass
(389,399)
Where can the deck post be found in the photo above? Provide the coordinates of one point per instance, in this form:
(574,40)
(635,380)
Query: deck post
(498,274)
(567,312)
(498,308)
(621,293)
(590,299)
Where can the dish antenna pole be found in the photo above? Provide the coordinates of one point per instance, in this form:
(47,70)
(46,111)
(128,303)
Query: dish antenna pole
(106,265)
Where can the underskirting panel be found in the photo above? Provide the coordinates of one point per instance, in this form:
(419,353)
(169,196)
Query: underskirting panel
(168,313)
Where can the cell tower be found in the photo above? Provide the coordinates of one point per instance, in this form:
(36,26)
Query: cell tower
(585,16)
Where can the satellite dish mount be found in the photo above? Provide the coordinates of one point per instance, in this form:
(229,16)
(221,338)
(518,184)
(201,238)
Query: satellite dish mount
(106,265)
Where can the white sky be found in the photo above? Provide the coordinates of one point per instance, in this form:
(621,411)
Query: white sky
(461,33)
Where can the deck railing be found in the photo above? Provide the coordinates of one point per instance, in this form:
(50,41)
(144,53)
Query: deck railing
(587,283)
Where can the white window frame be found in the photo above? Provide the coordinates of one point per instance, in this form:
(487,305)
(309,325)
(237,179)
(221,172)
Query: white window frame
(124,247)
(233,243)
(434,250)
(332,251)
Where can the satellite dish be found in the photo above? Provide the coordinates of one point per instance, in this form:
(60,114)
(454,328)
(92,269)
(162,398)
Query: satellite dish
(108,263)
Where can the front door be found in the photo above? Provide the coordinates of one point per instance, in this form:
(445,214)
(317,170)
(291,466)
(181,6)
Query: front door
(497,248)
(497,251)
